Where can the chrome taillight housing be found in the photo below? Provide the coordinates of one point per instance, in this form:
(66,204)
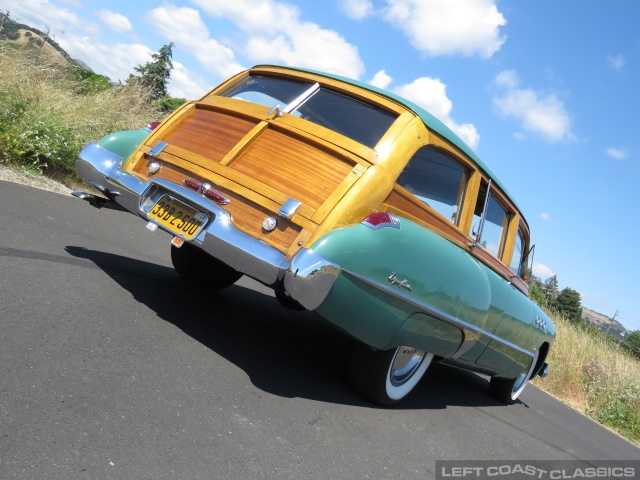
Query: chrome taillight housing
(379,220)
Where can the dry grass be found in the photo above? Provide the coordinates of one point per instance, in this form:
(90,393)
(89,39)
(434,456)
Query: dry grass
(592,375)
(46,117)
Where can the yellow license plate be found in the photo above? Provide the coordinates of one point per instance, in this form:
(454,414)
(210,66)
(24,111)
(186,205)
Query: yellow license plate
(181,219)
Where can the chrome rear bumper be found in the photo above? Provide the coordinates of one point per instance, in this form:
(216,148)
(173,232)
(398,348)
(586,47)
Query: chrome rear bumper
(307,277)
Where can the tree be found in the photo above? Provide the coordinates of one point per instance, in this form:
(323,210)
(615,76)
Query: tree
(568,303)
(550,290)
(536,294)
(156,74)
(632,343)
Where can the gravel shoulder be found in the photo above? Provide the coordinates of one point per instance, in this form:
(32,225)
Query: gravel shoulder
(18,175)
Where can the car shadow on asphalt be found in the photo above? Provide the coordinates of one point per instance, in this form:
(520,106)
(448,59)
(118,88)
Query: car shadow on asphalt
(284,352)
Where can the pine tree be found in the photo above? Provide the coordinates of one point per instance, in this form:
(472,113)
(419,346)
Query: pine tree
(568,303)
(156,74)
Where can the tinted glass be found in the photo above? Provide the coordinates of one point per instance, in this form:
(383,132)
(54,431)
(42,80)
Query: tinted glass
(351,117)
(495,221)
(266,91)
(516,261)
(437,180)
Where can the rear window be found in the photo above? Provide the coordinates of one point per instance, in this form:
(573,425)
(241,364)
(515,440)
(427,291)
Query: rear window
(361,121)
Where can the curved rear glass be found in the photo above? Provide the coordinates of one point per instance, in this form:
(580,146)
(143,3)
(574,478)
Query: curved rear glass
(361,121)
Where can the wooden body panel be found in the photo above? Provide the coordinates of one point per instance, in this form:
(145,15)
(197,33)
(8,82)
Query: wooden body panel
(267,160)
(209,133)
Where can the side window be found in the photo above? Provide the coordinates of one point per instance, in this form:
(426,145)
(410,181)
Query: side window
(495,221)
(516,261)
(437,180)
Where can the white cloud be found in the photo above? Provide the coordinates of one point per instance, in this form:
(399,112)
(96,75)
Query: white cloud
(508,79)
(444,27)
(542,271)
(617,153)
(544,114)
(115,61)
(274,33)
(545,216)
(185,27)
(381,80)
(115,21)
(186,84)
(357,9)
(616,61)
(41,13)
(431,94)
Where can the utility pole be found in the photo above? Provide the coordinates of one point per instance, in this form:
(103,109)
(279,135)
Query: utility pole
(4,20)
(611,322)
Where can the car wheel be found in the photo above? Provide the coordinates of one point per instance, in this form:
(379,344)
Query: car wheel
(387,376)
(201,270)
(509,389)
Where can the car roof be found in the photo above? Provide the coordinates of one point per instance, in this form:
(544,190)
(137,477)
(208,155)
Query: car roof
(429,120)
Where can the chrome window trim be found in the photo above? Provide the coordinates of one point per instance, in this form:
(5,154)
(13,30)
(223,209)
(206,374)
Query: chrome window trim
(296,103)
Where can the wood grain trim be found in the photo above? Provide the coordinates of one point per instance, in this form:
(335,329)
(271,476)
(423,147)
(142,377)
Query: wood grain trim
(228,178)
(312,133)
(324,138)
(244,144)
(338,193)
(169,123)
(402,201)
(247,215)
(210,133)
(307,173)
(469,204)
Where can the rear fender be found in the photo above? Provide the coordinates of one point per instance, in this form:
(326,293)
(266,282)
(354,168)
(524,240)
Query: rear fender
(125,142)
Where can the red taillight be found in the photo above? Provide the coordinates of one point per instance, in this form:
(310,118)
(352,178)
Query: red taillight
(206,190)
(380,220)
(192,184)
(215,196)
(150,127)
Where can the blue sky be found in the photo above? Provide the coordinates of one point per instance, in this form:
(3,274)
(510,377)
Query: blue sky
(546,92)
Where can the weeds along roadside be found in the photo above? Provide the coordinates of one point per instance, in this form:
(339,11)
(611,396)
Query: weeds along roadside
(46,116)
(590,373)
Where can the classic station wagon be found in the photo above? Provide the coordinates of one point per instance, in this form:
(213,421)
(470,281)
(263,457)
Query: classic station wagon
(347,200)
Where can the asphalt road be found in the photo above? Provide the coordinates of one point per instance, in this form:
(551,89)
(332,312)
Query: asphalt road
(111,368)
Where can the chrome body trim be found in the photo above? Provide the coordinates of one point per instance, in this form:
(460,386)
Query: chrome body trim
(303,97)
(307,277)
(289,208)
(436,313)
(157,148)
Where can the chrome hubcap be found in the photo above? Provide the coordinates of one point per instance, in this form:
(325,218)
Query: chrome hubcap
(405,363)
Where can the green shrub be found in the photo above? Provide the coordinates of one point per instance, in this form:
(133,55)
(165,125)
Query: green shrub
(48,113)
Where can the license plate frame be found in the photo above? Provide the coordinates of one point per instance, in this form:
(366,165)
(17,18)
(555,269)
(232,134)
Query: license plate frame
(179,218)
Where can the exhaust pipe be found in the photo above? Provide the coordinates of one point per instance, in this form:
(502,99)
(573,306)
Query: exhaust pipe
(96,201)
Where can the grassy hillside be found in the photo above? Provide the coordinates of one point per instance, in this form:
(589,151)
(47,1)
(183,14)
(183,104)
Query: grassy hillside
(590,373)
(47,114)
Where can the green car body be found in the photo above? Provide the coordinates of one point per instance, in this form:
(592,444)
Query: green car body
(376,216)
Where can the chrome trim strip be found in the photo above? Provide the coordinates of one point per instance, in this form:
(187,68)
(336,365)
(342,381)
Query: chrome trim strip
(157,148)
(434,312)
(289,208)
(302,98)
